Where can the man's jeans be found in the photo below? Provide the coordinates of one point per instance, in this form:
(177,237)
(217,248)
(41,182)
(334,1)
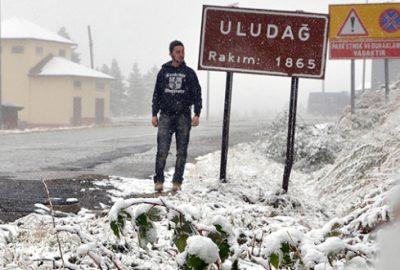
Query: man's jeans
(168,125)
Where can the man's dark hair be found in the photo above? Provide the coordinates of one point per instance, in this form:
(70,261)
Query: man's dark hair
(173,44)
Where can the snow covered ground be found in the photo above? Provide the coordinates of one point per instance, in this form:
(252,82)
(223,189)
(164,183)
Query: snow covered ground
(336,207)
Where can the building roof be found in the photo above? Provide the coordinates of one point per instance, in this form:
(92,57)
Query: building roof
(16,28)
(60,66)
(6,104)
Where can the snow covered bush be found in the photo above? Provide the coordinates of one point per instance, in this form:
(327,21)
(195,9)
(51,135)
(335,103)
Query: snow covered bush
(315,145)
(372,110)
(197,252)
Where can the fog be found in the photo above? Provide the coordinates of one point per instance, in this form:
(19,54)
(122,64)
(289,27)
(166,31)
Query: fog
(140,31)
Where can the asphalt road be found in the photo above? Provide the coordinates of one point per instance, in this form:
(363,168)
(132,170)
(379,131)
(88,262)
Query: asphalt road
(69,160)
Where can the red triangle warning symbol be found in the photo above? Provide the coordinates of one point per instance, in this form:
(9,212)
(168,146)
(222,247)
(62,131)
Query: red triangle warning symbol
(352,26)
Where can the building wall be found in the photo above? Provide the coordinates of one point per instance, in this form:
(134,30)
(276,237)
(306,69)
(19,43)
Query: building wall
(51,100)
(16,66)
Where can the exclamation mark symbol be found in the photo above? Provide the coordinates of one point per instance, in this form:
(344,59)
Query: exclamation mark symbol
(352,21)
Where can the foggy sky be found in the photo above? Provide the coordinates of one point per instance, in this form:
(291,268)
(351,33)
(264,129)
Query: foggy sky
(140,30)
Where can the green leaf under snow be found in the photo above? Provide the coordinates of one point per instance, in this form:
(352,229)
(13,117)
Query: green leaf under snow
(215,237)
(221,231)
(235,265)
(333,234)
(118,225)
(187,228)
(224,250)
(128,216)
(142,236)
(181,242)
(287,260)
(115,228)
(154,214)
(195,263)
(175,219)
(121,221)
(141,220)
(274,260)
(285,247)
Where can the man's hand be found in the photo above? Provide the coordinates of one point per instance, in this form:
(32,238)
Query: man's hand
(195,121)
(154,121)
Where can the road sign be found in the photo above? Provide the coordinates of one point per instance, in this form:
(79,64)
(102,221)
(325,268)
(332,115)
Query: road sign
(263,41)
(380,21)
(390,20)
(364,49)
(352,26)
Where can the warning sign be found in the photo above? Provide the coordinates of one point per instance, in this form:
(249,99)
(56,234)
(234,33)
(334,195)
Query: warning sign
(352,26)
(364,21)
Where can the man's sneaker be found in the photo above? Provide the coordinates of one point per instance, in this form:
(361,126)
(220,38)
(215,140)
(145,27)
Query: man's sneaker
(158,187)
(176,187)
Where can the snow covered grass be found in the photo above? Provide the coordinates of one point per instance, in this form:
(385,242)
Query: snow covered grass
(338,203)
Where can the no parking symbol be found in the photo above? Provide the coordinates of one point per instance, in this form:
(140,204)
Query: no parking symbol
(390,20)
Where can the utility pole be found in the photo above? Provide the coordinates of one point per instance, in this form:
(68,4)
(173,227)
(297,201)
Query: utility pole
(208,96)
(363,73)
(353,87)
(90,47)
(1,100)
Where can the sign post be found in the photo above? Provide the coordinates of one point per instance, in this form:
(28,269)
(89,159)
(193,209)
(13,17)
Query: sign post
(386,79)
(352,86)
(266,42)
(365,31)
(291,132)
(225,129)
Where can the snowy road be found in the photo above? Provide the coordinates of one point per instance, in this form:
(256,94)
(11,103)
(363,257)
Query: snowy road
(81,154)
(127,151)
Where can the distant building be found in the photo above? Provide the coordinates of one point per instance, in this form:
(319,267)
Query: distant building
(38,76)
(327,103)
(10,115)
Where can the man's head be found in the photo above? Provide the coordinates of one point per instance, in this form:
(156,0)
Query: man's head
(177,51)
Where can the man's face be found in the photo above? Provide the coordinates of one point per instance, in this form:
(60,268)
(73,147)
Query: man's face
(178,54)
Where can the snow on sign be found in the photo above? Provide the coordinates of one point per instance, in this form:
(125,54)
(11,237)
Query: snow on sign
(352,26)
(263,42)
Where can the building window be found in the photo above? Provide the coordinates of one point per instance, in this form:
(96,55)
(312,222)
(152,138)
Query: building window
(39,50)
(77,84)
(61,53)
(100,86)
(17,49)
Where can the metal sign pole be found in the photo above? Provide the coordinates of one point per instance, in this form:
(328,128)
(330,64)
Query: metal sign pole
(1,89)
(363,75)
(208,96)
(353,87)
(291,133)
(225,130)
(386,79)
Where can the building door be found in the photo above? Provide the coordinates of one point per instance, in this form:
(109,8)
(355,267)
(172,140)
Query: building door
(77,117)
(99,111)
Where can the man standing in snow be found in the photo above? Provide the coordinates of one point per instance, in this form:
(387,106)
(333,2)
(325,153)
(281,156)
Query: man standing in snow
(177,89)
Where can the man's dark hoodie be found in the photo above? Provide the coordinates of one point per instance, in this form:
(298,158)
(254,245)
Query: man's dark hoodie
(176,90)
